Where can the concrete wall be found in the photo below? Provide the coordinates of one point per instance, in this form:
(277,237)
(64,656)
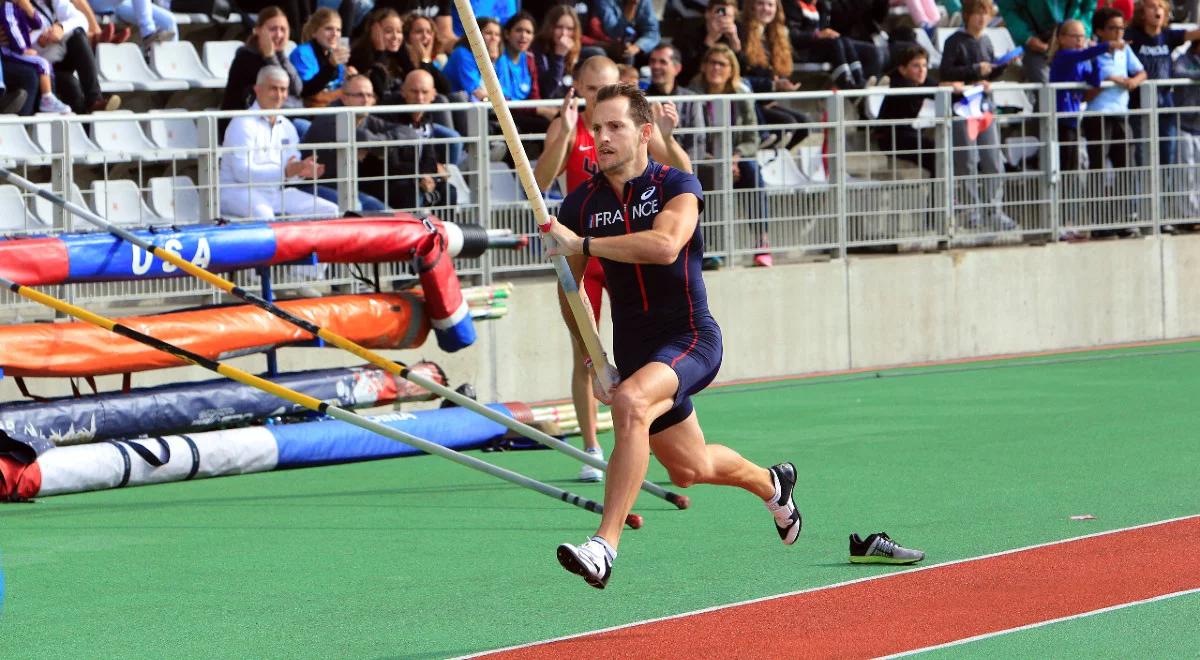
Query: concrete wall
(862,312)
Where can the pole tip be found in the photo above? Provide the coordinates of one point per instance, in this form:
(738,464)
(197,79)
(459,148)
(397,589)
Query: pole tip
(681,501)
(634,521)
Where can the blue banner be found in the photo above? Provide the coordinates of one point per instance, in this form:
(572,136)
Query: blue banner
(106,257)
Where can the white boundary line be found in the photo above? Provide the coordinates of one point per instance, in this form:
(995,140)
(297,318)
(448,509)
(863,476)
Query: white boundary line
(832,586)
(1039,624)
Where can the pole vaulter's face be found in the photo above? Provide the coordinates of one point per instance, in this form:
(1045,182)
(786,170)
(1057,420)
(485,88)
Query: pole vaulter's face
(618,138)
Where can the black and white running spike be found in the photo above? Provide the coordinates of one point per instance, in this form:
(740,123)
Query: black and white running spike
(781,505)
(593,560)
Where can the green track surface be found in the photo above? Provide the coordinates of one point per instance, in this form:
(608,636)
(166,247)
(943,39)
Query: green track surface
(420,557)
(1161,629)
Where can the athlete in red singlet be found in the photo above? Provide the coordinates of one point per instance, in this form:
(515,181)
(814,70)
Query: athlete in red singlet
(571,148)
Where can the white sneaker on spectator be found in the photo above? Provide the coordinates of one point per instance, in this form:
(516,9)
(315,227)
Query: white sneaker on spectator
(50,104)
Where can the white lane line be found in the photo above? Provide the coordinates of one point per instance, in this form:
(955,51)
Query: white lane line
(830,586)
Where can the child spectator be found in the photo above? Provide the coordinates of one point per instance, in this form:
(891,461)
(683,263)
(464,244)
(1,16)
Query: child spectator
(320,59)
(263,48)
(20,20)
(1105,123)
(1072,61)
(377,54)
(905,140)
(967,59)
(556,50)
(628,74)
(1031,24)
(517,73)
(1153,43)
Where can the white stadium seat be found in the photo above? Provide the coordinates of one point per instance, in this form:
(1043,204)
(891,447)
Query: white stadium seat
(17,148)
(125,134)
(82,148)
(121,203)
(14,214)
(218,55)
(178,60)
(176,199)
(123,63)
(174,134)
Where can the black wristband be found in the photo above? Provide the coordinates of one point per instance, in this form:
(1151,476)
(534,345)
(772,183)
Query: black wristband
(587,251)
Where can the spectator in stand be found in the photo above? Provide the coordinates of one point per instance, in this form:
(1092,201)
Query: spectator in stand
(632,27)
(720,26)
(766,62)
(352,12)
(967,60)
(461,70)
(1071,60)
(441,12)
(432,187)
(62,40)
(720,74)
(377,53)
(925,15)
(263,157)
(296,11)
(627,74)
(19,20)
(556,50)
(665,66)
(263,48)
(424,51)
(1153,43)
(155,24)
(517,72)
(1123,6)
(320,59)
(1105,125)
(18,86)
(1032,23)
(588,22)
(813,40)
(1188,96)
(356,92)
(908,142)
(501,10)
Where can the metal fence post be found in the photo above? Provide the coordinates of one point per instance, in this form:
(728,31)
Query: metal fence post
(347,161)
(835,113)
(482,163)
(207,166)
(1051,180)
(1149,98)
(944,144)
(723,116)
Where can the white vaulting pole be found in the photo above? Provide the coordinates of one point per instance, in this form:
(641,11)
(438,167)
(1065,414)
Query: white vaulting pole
(487,71)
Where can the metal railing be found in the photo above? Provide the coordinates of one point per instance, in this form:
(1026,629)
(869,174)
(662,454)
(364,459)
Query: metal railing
(839,190)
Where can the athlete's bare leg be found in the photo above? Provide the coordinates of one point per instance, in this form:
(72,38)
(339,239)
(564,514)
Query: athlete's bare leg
(581,396)
(638,401)
(682,450)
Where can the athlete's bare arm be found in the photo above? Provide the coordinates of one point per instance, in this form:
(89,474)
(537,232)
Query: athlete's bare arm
(661,244)
(560,135)
(663,146)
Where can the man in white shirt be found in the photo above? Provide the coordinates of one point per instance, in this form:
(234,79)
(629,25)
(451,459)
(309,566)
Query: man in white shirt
(264,156)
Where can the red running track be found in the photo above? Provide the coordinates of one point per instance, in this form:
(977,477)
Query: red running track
(917,609)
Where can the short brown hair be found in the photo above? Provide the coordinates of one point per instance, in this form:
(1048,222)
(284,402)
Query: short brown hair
(978,7)
(639,107)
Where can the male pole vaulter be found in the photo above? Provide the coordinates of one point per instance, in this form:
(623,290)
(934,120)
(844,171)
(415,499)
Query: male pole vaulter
(570,148)
(641,218)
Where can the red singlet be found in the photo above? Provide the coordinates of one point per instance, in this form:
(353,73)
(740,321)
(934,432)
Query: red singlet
(581,166)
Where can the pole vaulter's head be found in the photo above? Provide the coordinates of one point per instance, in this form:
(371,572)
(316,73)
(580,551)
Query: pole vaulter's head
(621,123)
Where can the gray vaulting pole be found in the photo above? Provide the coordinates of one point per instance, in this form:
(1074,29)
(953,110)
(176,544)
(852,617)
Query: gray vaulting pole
(314,404)
(396,368)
